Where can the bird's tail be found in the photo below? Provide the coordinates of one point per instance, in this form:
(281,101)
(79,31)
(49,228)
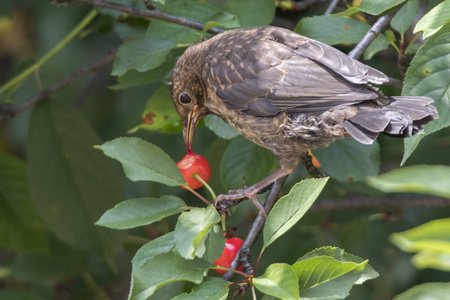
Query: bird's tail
(403,117)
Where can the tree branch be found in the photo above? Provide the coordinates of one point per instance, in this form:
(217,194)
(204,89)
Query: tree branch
(373,32)
(6,116)
(257,225)
(331,7)
(366,202)
(153,14)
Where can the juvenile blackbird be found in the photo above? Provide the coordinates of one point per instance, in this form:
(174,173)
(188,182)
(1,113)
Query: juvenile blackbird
(288,93)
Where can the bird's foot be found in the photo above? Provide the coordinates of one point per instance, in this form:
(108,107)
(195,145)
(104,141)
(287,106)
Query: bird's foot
(225,201)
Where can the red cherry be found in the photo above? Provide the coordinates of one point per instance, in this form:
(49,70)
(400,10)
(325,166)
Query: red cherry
(232,247)
(191,164)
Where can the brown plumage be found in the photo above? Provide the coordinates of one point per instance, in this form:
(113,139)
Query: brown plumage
(288,93)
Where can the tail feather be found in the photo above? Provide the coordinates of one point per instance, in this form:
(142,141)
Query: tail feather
(403,117)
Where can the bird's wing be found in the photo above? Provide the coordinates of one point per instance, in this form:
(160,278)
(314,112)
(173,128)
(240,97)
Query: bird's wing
(265,72)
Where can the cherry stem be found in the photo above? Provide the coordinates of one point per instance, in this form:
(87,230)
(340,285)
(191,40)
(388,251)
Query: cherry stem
(253,292)
(196,176)
(197,194)
(223,219)
(234,271)
(257,261)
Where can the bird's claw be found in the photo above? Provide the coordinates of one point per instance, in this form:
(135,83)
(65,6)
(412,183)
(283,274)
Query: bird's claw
(234,197)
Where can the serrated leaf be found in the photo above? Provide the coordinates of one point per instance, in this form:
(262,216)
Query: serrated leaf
(162,244)
(143,161)
(348,159)
(433,235)
(376,7)
(244,162)
(163,269)
(429,75)
(135,78)
(279,280)
(71,183)
(340,30)
(222,19)
(193,10)
(340,255)
(141,211)
(323,277)
(405,16)
(434,20)
(159,114)
(21,228)
(290,208)
(252,12)
(426,179)
(426,291)
(210,289)
(191,228)
(220,127)
(141,54)
(214,244)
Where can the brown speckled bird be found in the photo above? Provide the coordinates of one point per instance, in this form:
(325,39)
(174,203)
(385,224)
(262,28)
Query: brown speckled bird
(288,93)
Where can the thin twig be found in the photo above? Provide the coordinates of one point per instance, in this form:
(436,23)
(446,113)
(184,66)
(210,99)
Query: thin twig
(365,202)
(153,14)
(56,87)
(373,32)
(331,7)
(257,225)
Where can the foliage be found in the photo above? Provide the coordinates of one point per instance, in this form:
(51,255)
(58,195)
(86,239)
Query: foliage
(73,223)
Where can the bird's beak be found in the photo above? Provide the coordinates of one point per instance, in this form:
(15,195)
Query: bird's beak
(190,125)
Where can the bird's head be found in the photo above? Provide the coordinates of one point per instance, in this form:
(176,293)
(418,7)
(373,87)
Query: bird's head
(189,93)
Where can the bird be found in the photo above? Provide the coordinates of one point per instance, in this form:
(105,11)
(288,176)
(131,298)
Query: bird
(288,93)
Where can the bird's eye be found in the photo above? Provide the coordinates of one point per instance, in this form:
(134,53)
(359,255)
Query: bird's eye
(185,99)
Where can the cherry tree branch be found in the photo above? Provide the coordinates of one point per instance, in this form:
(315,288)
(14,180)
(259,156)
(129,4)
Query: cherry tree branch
(7,115)
(145,13)
(373,32)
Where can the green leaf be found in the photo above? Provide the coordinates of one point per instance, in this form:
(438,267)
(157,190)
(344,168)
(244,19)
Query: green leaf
(346,13)
(348,159)
(426,291)
(71,183)
(279,280)
(163,269)
(220,127)
(140,211)
(61,262)
(434,20)
(222,19)
(252,12)
(390,36)
(339,255)
(340,30)
(324,277)
(426,179)
(134,78)
(21,228)
(376,7)
(143,161)
(210,289)
(433,235)
(429,75)
(193,10)
(141,54)
(431,241)
(14,293)
(191,229)
(159,114)
(405,16)
(162,244)
(214,244)
(290,208)
(244,162)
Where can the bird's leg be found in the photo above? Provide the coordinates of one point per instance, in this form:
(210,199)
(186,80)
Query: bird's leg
(252,191)
(312,170)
